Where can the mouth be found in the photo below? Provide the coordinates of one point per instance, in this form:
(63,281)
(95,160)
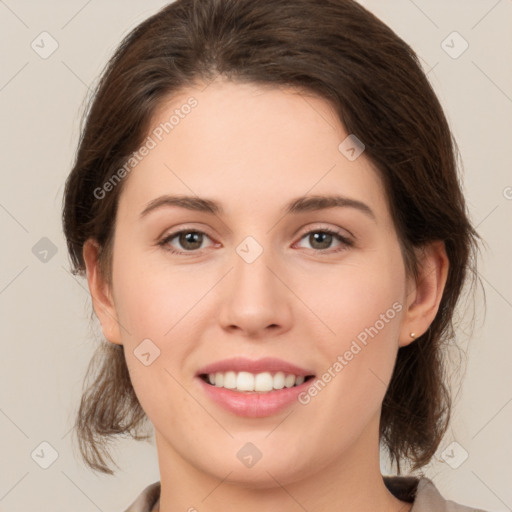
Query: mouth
(254,383)
(254,388)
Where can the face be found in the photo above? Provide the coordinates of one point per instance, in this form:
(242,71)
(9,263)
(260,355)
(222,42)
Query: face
(320,290)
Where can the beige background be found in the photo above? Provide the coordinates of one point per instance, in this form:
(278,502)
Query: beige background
(46,340)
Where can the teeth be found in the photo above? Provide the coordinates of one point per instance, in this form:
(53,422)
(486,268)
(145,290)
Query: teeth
(230,380)
(289,381)
(261,382)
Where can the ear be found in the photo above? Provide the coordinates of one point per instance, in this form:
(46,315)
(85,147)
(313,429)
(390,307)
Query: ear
(425,292)
(101,293)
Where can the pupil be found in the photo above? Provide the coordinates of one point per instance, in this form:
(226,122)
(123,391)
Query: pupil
(190,238)
(322,236)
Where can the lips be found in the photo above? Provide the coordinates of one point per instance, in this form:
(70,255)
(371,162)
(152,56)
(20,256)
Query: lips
(267,399)
(267,364)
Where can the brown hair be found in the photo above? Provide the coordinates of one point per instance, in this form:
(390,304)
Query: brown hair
(339,51)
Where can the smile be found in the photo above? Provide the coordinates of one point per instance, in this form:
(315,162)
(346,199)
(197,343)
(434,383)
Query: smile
(254,388)
(262,382)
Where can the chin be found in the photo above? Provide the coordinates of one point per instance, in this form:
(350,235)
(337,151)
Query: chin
(270,473)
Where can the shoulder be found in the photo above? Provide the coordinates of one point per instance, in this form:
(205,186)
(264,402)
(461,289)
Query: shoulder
(424,495)
(429,498)
(146,500)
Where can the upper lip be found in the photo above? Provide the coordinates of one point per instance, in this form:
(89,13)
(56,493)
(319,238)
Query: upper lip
(242,364)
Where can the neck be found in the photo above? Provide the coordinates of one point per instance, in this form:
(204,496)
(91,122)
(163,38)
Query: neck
(352,482)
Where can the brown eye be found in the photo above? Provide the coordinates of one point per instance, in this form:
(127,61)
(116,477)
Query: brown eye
(321,240)
(188,240)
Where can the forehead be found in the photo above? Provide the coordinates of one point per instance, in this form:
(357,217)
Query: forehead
(248,145)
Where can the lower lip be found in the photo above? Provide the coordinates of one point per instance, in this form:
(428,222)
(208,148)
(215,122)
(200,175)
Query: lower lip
(254,404)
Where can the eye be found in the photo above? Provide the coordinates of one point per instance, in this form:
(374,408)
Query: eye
(190,240)
(321,239)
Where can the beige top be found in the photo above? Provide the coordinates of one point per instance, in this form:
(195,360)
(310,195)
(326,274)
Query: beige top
(420,491)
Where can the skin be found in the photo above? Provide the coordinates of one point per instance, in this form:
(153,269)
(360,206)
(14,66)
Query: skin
(253,149)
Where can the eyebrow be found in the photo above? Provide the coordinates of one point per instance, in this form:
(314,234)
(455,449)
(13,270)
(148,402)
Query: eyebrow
(298,205)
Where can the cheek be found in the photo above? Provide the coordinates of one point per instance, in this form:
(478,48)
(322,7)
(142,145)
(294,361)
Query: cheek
(157,305)
(150,302)
(363,312)
(360,301)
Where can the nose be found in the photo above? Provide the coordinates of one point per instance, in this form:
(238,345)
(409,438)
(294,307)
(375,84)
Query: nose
(256,301)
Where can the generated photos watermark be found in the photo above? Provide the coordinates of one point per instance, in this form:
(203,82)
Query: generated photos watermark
(151,142)
(360,342)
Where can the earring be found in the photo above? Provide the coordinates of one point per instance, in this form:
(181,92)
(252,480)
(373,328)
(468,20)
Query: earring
(412,335)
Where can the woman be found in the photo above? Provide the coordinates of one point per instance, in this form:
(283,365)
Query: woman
(266,205)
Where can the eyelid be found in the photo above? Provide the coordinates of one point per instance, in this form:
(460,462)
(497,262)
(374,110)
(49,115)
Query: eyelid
(325,227)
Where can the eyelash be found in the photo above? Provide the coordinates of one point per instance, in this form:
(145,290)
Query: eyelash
(344,240)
